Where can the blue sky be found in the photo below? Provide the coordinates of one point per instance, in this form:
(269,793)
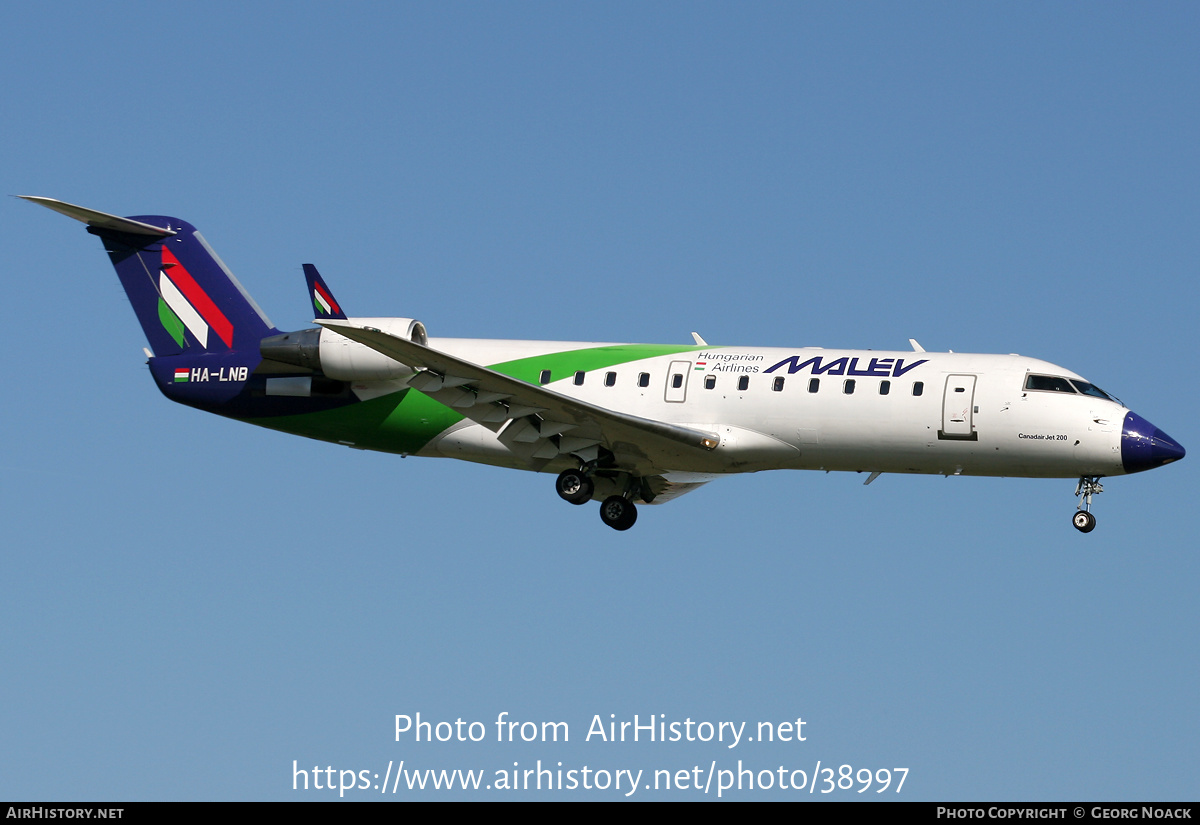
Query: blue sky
(192,604)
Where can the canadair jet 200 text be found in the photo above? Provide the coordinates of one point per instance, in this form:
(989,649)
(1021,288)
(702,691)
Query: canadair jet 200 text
(618,423)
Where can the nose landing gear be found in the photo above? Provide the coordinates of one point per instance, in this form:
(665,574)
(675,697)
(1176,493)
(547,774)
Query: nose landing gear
(1083,519)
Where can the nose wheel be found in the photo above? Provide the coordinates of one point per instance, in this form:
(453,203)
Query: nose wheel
(1083,519)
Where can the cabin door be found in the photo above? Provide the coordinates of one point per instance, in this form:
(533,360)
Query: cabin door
(958,407)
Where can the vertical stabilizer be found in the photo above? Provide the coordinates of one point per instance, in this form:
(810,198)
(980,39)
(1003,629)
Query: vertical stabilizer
(186,299)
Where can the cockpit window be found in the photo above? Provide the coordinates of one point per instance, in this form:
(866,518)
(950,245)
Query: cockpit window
(1048,383)
(1092,390)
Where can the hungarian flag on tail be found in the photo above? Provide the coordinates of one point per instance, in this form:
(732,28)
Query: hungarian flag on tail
(183,304)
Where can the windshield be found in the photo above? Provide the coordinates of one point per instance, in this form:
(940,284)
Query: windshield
(1057,383)
(1092,390)
(1048,383)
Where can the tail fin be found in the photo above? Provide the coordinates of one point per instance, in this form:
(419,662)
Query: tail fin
(325,305)
(186,299)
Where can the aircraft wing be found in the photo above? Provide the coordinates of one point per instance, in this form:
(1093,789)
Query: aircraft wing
(535,423)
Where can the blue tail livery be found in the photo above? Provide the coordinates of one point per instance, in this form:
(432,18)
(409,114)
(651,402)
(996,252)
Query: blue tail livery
(203,327)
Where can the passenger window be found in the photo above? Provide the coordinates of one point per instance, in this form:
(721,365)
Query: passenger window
(579,378)
(918,387)
(644,379)
(848,387)
(677,380)
(743,383)
(610,379)
(710,381)
(777,384)
(885,387)
(814,384)
(544,378)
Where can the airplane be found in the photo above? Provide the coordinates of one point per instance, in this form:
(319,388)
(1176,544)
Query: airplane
(621,424)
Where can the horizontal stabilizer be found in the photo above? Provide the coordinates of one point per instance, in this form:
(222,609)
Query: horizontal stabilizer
(100,220)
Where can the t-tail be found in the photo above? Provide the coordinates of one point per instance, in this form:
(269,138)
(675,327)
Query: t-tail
(204,329)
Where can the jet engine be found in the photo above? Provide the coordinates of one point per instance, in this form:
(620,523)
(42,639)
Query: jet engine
(325,351)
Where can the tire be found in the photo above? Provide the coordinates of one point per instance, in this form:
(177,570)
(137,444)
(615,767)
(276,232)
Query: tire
(1084,521)
(574,486)
(618,512)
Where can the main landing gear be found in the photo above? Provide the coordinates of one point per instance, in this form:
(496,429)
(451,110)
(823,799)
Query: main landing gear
(577,487)
(574,486)
(1083,519)
(618,512)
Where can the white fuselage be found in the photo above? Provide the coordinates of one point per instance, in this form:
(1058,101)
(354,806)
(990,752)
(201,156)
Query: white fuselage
(820,409)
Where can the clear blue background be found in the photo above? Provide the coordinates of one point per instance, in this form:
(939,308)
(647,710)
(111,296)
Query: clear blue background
(190,604)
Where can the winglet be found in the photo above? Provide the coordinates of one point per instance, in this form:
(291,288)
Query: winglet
(916,347)
(101,220)
(700,342)
(324,303)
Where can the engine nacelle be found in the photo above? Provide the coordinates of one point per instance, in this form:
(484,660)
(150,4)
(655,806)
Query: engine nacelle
(340,358)
(347,360)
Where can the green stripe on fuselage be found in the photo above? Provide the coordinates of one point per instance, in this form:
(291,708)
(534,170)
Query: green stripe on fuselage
(407,420)
(399,422)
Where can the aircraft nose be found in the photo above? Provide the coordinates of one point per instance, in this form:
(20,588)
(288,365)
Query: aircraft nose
(1144,446)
